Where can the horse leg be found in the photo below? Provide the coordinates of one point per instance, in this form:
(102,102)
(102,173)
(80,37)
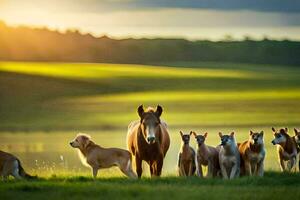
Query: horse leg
(138,164)
(152,168)
(159,165)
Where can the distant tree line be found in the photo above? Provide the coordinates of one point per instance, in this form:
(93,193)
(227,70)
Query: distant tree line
(30,44)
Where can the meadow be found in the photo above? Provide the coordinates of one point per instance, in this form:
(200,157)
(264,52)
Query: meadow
(272,186)
(43,106)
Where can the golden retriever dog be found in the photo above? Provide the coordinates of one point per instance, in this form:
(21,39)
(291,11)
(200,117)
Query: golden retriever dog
(253,154)
(11,165)
(98,157)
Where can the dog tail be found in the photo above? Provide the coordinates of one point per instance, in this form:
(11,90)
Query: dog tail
(22,172)
(131,174)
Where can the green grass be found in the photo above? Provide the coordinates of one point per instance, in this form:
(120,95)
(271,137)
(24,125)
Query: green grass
(63,96)
(271,186)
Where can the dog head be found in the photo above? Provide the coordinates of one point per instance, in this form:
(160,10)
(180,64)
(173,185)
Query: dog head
(256,138)
(200,138)
(185,137)
(297,136)
(227,140)
(279,136)
(80,141)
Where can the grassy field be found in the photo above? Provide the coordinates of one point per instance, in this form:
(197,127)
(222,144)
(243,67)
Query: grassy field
(272,186)
(64,96)
(43,105)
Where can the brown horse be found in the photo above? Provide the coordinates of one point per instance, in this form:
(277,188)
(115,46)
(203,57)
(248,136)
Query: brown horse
(148,140)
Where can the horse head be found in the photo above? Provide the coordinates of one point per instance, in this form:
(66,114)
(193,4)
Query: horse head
(150,123)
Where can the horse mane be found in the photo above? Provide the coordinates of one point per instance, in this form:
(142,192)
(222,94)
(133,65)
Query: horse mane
(150,109)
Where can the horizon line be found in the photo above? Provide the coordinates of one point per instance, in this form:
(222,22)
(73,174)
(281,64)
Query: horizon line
(224,38)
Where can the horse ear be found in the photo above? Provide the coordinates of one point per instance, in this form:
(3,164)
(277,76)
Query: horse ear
(191,133)
(251,132)
(296,131)
(205,134)
(286,129)
(141,111)
(158,111)
(273,129)
(232,134)
(181,133)
(220,134)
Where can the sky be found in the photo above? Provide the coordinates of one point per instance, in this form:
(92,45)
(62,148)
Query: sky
(190,19)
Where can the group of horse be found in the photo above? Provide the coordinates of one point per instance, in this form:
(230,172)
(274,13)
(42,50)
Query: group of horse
(148,140)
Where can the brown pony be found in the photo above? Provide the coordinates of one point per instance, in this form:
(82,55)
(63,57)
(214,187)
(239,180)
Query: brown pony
(148,140)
